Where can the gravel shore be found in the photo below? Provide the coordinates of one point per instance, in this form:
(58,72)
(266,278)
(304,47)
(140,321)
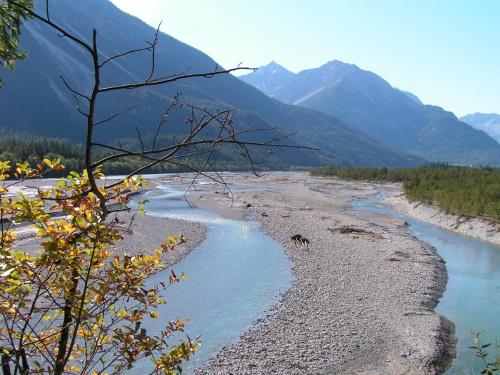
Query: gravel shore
(362,301)
(147,233)
(144,235)
(474,227)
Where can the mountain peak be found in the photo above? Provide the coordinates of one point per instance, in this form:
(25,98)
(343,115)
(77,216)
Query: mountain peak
(273,68)
(274,63)
(269,78)
(338,63)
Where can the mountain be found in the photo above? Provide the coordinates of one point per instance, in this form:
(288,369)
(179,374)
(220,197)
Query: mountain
(366,102)
(413,97)
(487,122)
(270,78)
(36,101)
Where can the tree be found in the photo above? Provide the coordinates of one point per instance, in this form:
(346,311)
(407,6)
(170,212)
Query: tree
(11,18)
(77,306)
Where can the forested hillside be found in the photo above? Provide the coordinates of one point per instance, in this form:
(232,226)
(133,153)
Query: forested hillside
(19,147)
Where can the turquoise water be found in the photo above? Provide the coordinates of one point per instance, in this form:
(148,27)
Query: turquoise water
(473,289)
(233,277)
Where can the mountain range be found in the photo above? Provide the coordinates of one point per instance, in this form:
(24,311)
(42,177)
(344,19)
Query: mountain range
(368,103)
(487,122)
(35,100)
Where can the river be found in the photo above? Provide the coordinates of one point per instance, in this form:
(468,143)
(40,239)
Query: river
(233,277)
(471,296)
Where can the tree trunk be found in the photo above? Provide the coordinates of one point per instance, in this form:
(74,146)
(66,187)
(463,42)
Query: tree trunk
(66,325)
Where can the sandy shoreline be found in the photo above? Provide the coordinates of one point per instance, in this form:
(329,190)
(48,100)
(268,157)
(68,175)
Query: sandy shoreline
(473,227)
(361,302)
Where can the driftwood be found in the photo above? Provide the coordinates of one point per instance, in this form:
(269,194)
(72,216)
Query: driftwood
(348,230)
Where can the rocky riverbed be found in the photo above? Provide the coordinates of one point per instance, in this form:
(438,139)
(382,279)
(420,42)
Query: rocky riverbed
(364,292)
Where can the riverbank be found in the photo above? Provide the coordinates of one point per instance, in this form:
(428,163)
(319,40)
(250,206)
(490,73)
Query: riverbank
(148,232)
(364,293)
(469,226)
(141,234)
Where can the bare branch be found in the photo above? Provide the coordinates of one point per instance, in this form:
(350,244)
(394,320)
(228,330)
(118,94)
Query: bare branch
(124,54)
(153,53)
(164,118)
(115,115)
(170,79)
(226,139)
(79,94)
(140,139)
(53,25)
(77,106)
(47,13)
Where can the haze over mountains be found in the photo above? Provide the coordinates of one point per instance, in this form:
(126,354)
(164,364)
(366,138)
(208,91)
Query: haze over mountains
(36,85)
(366,102)
(487,122)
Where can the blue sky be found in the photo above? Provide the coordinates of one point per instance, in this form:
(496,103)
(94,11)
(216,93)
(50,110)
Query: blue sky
(445,51)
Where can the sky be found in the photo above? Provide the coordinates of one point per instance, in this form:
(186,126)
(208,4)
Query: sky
(447,52)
